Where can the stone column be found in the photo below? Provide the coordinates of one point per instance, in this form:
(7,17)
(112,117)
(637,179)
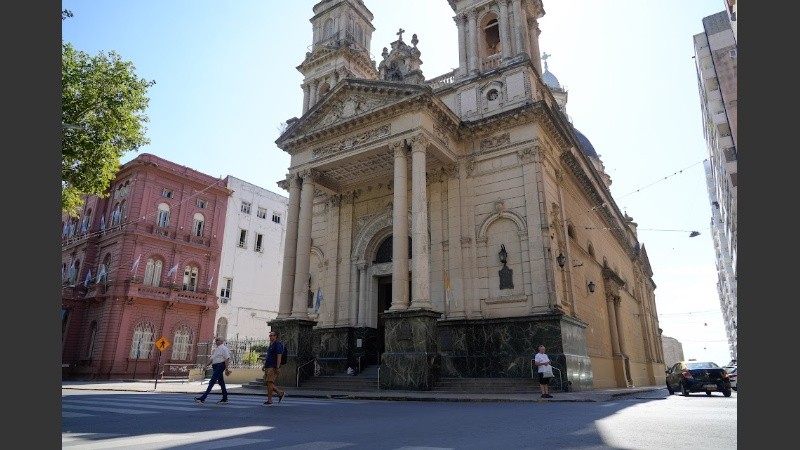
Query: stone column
(353,298)
(541,263)
(612,324)
(313,96)
(534,32)
(503,23)
(290,248)
(306,95)
(473,65)
(301,272)
(400,228)
(620,326)
(454,256)
(325,314)
(421,281)
(516,9)
(462,45)
(362,294)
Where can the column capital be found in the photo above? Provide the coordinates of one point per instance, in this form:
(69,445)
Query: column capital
(398,148)
(310,175)
(419,142)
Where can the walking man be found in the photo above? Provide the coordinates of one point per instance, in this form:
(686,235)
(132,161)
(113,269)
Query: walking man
(272,367)
(219,360)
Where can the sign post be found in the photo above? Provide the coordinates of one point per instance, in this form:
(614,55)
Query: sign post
(161,345)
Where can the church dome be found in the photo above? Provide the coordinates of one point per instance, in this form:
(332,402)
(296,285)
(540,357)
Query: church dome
(550,80)
(586,146)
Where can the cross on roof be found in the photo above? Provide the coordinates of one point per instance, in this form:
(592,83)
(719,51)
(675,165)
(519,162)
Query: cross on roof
(545,55)
(400,33)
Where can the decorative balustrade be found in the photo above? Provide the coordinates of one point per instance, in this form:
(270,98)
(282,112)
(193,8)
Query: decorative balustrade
(492,62)
(442,80)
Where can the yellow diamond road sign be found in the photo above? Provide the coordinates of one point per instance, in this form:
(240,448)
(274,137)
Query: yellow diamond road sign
(162,343)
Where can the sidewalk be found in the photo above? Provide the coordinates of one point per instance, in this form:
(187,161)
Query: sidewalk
(198,387)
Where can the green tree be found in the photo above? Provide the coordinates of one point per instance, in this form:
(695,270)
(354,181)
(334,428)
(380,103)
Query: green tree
(102,118)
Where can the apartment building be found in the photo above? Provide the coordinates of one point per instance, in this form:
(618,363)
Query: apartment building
(716,63)
(248,283)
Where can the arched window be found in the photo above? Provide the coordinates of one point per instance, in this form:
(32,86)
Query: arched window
(92,337)
(152,273)
(491,36)
(327,29)
(222,327)
(102,271)
(162,218)
(85,222)
(116,215)
(385,251)
(73,274)
(142,341)
(359,35)
(197,226)
(182,344)
(190,274)
(323,89)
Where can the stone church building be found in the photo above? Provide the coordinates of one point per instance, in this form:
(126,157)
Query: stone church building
(446,226)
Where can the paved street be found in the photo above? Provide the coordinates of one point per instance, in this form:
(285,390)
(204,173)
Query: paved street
(100,419)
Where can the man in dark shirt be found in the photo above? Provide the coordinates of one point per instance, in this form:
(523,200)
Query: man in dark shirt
(272,367)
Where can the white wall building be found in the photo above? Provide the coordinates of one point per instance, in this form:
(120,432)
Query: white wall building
(716,61)
(249,279)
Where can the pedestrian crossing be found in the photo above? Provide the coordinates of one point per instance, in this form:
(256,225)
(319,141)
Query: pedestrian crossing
(79,406)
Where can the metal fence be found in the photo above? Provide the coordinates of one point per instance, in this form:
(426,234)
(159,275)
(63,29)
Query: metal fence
(245,353)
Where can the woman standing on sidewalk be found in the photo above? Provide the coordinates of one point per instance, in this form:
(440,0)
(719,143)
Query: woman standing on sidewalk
(542,362)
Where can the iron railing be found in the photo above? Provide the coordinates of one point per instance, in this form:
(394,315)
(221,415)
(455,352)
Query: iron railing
(245,353)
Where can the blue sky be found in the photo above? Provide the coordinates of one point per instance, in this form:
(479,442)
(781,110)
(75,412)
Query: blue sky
(226,80)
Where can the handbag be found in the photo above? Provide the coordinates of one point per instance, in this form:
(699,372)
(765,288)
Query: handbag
(547,372)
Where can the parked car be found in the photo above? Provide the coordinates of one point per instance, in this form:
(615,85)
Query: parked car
(731,375)
(698,376)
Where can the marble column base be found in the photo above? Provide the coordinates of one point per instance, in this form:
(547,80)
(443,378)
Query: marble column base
(298,336)
(411,358)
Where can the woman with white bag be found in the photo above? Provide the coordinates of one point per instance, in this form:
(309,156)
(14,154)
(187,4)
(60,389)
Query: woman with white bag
(545,370)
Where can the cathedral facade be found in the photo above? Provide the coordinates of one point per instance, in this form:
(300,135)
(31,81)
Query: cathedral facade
(444,227)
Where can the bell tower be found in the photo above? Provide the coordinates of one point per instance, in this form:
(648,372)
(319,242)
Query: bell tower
(342,33)
(494,33)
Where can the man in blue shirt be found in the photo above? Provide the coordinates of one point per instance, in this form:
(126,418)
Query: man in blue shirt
(272,367)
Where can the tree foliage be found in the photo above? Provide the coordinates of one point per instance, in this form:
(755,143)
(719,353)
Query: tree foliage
(102,114)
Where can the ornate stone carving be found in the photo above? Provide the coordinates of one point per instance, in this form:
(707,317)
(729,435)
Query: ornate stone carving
(441,135)
(352,141)
(495,141)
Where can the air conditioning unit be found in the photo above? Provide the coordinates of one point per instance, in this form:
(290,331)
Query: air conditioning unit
(733,53)
(223,300)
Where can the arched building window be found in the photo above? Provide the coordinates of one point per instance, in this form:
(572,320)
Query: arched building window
(182,343)
(162,218)
(142,341)
(152,273)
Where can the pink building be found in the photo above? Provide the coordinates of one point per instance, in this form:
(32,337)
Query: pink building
(138,266)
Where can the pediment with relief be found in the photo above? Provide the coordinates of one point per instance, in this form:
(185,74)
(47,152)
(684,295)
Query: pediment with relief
(349,100)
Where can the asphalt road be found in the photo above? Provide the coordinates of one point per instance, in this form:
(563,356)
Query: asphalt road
(157,420)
